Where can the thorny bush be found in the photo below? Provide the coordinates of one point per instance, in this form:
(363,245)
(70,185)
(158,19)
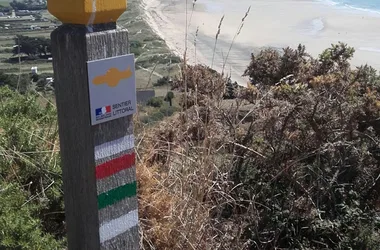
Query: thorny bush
(300,169)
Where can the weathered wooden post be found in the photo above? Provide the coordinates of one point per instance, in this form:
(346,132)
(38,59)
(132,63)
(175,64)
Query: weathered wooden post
(96,97)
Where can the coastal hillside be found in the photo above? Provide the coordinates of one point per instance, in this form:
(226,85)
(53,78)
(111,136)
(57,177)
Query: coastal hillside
(289,161)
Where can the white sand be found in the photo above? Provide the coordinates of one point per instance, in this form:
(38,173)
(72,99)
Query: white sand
(277,23)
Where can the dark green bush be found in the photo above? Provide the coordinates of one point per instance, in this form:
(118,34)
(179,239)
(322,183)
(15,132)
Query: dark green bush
(315,179)
(155,102)
(231,90)
(162,81)
(31,211)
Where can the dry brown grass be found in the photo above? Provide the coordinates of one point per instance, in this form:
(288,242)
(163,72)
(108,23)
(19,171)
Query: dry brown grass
(181,176)
(169,199)
(227,175)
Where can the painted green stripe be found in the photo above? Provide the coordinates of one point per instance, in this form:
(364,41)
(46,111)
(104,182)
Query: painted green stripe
(111,197)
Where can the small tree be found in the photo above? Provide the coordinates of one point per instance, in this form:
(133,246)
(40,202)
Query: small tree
(32,45)
(169,97)
(231,88)
(18,5)
(264,67)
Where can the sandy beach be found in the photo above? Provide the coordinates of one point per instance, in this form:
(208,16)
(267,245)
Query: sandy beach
(276,23)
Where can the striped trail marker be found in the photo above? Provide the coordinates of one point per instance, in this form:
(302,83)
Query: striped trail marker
(116,191)
(95,103)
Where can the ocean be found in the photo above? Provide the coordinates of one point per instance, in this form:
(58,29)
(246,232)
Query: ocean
(367,5)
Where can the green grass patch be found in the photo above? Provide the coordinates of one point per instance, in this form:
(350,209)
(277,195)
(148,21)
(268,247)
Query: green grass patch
(5,3)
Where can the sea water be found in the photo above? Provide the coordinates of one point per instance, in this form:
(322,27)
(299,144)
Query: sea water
(366,5)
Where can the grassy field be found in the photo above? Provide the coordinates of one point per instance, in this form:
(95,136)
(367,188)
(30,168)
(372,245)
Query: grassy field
(5,2)
(153,58)
(9,28)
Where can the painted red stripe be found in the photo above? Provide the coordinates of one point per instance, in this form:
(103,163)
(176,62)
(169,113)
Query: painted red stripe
(111,167)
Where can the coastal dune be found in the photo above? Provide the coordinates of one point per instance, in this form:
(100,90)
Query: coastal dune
(270,23)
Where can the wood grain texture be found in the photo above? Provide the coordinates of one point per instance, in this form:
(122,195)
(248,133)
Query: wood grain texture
(118,209)
(72,47)
(106,151)
(69,50)
(108,44)
(116,180)
(124,239)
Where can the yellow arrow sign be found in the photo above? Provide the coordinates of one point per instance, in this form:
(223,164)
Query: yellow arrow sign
(87,11)
(112,77)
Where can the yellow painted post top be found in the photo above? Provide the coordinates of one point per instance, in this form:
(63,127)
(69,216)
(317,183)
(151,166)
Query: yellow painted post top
(87,11)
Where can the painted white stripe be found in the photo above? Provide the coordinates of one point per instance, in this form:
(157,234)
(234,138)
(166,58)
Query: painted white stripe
(93,14)
(114,147)
(115,227)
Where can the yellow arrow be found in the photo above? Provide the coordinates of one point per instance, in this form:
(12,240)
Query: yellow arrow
(112,77)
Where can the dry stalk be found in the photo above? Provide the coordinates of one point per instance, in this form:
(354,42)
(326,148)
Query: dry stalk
(216,40)
(235,36)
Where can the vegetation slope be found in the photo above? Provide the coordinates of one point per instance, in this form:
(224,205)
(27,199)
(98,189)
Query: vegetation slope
(291,162)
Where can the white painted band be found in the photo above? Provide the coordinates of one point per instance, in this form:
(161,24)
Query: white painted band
(115,227)
(92,17)
(114,147)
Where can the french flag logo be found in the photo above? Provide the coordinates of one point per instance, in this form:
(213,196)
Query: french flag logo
(103,111)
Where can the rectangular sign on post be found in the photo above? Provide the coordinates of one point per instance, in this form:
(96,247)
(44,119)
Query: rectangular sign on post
(112,88)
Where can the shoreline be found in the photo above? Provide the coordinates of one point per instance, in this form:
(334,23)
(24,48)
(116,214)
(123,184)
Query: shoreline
(352,7)
(269,24)
(156,19)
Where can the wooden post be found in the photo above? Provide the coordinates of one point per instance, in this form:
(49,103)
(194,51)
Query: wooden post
(97,142)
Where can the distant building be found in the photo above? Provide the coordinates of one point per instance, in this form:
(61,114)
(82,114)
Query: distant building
(49,80)
(34,70)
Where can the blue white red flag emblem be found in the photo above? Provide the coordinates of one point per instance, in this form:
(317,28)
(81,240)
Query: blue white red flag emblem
(103,111)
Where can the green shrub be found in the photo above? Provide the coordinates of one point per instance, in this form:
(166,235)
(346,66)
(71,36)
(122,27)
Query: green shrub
(155,102)
(11,80)
(162,81)
(231,89)
(136,51)
(20,227)
(159,114)
(31,197)
(135,44)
